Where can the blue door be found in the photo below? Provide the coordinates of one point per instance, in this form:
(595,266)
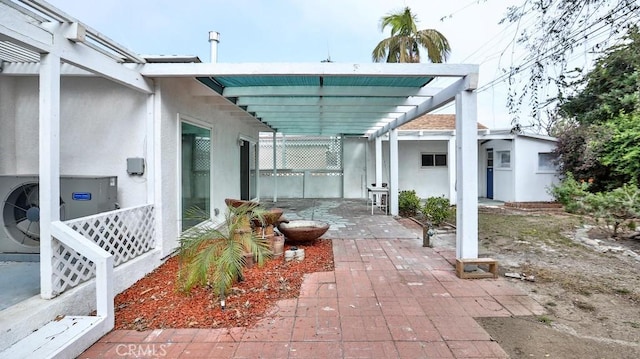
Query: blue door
(490,173)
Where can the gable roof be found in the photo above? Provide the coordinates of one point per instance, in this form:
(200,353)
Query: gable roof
(434,122)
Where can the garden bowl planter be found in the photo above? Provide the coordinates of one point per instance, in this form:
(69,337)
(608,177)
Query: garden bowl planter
(303,230)
(237,203)
(270,218)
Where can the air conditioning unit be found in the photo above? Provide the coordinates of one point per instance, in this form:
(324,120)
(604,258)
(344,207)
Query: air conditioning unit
(80,196)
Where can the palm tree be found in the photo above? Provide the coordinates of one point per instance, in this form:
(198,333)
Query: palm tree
(213,257)
(406,40)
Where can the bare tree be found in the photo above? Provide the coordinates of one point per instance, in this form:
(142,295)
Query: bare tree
(560,31)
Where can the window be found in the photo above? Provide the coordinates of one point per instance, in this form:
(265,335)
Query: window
(546,161)
(434,160)
(504,159)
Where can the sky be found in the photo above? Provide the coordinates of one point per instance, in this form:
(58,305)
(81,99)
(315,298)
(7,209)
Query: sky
(344,31)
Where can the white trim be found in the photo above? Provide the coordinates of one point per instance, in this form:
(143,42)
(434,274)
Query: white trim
(307,69)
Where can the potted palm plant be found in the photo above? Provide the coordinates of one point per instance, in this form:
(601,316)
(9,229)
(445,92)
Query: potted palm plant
(216,257)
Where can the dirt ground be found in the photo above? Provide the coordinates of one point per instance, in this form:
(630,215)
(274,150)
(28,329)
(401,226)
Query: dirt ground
(588,283)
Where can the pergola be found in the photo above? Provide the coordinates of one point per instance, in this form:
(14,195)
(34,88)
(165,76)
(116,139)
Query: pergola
(369,100)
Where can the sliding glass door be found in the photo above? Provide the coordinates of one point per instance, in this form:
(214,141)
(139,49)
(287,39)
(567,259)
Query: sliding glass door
(196,172)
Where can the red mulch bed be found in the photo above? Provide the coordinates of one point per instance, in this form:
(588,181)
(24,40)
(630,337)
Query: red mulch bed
(154,301)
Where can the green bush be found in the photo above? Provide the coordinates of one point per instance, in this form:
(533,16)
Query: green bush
(570,193)
(408,203)
(610,209)
(614,208)
(437,210)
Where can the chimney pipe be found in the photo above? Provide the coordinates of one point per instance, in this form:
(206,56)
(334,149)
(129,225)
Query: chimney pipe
(214,39)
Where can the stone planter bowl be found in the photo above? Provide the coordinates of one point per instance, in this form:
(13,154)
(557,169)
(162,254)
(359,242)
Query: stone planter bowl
(271,217)
(303,230)
(237,203)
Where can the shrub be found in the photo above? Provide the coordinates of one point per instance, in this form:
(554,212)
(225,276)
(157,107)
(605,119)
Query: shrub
(408,203)
(437,210)
(610,209)
(614,208)
(570,193)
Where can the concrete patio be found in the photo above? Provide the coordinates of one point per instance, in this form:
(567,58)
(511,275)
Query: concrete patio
(388,297)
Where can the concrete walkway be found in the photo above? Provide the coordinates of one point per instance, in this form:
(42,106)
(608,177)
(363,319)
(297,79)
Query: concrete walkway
(388,297)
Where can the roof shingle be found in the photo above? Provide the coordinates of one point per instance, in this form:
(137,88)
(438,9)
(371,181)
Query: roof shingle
(434,122)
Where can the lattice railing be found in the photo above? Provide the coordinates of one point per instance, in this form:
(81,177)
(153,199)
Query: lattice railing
(125,233)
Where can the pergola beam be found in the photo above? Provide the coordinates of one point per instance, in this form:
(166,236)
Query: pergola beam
(469,82)
(308,69)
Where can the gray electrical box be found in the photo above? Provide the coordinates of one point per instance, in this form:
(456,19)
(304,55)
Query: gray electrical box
(135,166)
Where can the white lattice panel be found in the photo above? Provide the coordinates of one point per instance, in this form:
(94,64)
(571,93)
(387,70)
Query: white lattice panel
(70,268)
(125,233)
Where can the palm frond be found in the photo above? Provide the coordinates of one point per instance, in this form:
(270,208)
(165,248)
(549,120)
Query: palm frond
(438,49)
(405,41)
(209,256)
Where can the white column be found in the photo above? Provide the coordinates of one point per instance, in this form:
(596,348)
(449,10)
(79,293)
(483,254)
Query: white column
(451,166)
(378,159)
(257,167)
(150,168)
(467,175)
(275,171)
(49,164)
(393,171)
(155,173)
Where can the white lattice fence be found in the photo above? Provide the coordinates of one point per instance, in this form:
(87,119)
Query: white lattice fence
(125,233)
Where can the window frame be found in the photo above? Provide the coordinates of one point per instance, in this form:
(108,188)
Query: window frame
(498,160)
(553,168)
(435,159)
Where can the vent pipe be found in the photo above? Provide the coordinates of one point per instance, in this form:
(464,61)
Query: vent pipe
(214,39)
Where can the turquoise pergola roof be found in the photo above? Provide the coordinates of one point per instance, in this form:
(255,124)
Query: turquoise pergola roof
(328,98)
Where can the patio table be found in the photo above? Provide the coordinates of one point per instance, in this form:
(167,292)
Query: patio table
(377,193)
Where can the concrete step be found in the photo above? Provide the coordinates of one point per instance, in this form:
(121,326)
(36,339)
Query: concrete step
(63,338)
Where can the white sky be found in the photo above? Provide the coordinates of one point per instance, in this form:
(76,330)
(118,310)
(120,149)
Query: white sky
(305,31)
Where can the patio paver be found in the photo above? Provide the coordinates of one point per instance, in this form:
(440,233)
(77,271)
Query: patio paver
(388,297)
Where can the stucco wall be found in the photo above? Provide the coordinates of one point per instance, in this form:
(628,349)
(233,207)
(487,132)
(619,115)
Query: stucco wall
(177,102)
(531,184)
(503,178)
(101,124)
(427,181)
(7,125)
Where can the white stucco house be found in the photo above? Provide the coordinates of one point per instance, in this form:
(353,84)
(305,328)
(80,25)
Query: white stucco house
(516,167)
(169,132)
(512,167)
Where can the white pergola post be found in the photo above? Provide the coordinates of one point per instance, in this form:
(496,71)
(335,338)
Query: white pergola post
(453,195)
(154,158)
(393,171)
(467,175)
(150,167)
(49,164)
(378,159)
(275,171)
